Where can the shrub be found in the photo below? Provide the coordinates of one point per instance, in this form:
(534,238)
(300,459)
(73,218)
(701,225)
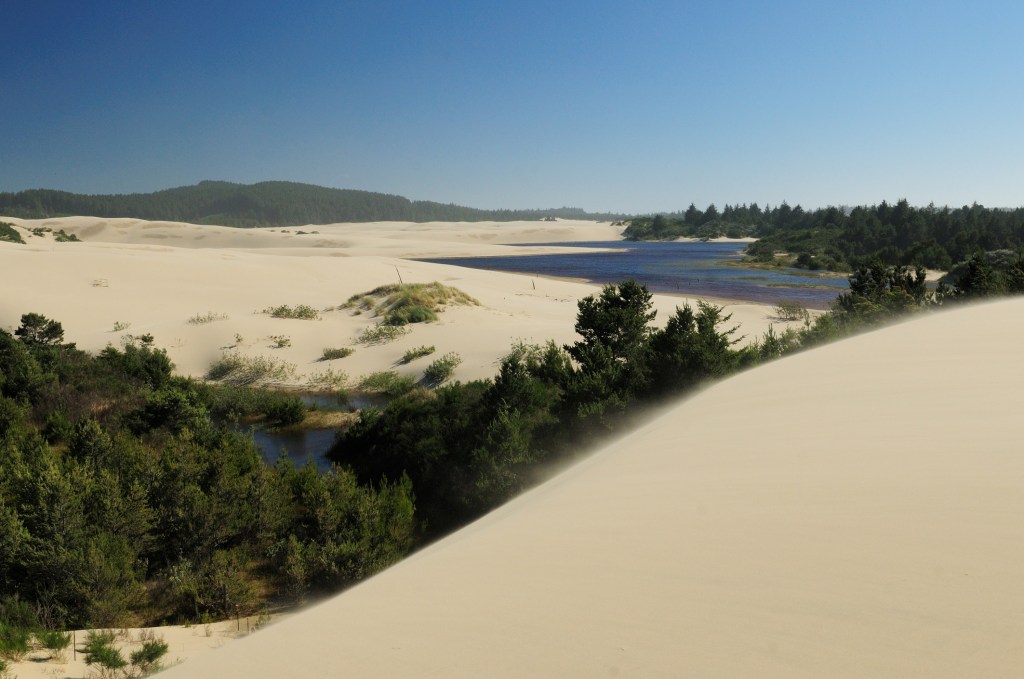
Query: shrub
(387,382)
(13,642)
(54,641)
(285,411)
(208,317)
(302,312)
(147,658)
(419,352)
(9,234)
(99,650)
(441,369)
(329,354)
(280,341)
(62,236)
(381,334)
(233,368)
(789,310)
(121,325)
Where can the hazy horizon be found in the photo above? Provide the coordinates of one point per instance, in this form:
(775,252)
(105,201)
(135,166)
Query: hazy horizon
(596,105)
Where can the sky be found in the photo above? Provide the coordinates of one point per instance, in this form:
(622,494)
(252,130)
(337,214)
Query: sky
(632,107)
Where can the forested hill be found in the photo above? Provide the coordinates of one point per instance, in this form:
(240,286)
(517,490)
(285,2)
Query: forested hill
(841,239)
(262,204)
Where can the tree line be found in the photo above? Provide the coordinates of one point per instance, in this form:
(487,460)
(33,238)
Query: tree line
(261,204)
(839,239)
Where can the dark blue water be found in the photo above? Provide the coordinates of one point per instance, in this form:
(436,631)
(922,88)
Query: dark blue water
(692,269)
(304,444)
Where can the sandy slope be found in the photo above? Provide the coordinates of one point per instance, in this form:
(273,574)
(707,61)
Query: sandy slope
(154,276)
(850,511)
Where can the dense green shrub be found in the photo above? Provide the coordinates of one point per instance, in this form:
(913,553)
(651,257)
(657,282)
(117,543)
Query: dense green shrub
(10,234)
(332,353)
(387,382)
(441,369)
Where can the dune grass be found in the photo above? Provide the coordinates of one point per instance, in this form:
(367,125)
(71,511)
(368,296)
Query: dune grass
(419,352)
(208,317)
(332,353)
(408,302)
(302,312)
(441,369)
(234,368)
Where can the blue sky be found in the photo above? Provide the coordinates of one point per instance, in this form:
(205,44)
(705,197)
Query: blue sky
(632,107)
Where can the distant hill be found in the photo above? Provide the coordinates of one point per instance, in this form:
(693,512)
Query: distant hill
(262,204)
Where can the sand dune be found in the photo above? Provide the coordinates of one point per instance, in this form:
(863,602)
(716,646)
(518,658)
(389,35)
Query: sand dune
(152,277)
(851,511)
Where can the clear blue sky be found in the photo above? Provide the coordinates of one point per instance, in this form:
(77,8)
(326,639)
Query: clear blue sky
(600,104)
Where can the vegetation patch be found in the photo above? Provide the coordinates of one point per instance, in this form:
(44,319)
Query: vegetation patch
(302,312)
(327,379)
(234,368)
(419,352)
(387,382)
(208,317)
(10,234)
(790,310)
(332,353)
(381,334)
(441,369)
(408,302)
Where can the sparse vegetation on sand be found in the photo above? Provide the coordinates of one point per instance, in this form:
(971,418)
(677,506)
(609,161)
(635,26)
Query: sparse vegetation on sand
(234,368)
(280,341)
(332,353)
(441,369)
(381,334)
(302,312)
(387,382)
(208,317)
(418,352)
(327,379)
(408,302)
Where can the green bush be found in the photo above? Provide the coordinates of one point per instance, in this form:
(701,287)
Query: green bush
(62,236)
(331,353)
(790,310)
(410,314)
(286,411)
(14,642)
(9,234)
(387,382)
(441,369)
(99,650)
(147,658)
(54,641)
(419,352)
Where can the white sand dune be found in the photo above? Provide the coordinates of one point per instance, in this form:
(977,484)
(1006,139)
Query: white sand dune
(151,277)
(855,510)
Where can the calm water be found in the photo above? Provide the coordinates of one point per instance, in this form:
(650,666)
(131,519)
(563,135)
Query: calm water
(303,444)
(692,269)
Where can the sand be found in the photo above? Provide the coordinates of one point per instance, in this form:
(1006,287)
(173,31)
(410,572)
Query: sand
(854,510)
(132,277)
